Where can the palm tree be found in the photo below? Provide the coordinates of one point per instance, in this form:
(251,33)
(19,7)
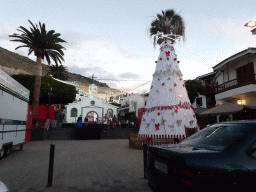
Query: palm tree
(168,22)
(44,44)
(58,71)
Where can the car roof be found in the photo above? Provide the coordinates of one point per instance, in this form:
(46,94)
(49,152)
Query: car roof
(247,122)
(239,122)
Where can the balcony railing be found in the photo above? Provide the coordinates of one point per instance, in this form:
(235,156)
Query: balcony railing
(232,84)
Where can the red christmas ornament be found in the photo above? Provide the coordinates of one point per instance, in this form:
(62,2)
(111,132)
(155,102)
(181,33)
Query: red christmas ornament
(172,42)
(178,61)
(163,84)
(175,84)
(157,126)
(158,113)
(151,86)
(155,61)
(167,58)
(160,58)
(176,110)
(165,41)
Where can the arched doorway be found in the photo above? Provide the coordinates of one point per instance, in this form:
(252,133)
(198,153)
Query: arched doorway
(92,116)
(110,113)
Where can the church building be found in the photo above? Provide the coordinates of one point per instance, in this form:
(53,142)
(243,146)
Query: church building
(91,107)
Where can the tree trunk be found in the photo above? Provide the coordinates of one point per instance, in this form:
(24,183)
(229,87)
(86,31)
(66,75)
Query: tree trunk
(37,87)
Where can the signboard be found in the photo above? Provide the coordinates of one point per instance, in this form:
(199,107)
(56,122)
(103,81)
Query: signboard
(13,85)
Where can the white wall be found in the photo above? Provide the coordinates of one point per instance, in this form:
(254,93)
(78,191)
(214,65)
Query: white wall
(85,103)
(203,102)
(230,70)
(12,108)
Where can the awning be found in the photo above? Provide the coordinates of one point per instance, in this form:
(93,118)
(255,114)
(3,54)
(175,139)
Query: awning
(199,110)
(227,108)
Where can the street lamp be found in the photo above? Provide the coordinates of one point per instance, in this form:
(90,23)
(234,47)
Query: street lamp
(251,24)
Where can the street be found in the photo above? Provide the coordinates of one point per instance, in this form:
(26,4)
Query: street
(79,165)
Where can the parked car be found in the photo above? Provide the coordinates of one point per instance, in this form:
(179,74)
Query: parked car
(221,155)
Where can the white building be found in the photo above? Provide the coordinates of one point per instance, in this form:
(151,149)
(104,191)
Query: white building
(235,79)
(131,103)
(91,107)
(206,99)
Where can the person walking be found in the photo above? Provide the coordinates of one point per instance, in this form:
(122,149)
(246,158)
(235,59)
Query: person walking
(114,122)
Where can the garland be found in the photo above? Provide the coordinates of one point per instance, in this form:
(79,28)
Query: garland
(167,72)
(185,105)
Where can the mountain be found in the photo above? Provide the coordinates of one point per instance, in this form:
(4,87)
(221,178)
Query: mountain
(13,63)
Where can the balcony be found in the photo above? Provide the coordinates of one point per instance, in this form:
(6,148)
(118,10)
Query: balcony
(232,84)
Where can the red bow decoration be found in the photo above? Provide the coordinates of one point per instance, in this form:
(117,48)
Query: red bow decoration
(175,84)
(175,59)
(160,58)
(155,61)
(157,126)
(149,140)
(163,84)
(158,112)
(167,53)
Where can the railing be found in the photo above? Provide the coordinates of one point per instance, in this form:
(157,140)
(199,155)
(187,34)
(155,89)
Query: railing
(232,84)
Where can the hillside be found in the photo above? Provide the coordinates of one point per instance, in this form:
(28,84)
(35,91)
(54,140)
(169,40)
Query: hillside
(13,63)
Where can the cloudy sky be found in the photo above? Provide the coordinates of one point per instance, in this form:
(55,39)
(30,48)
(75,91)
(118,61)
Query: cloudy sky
(110,38)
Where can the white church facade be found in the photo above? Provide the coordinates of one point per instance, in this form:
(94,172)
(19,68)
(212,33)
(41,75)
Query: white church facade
(93,108)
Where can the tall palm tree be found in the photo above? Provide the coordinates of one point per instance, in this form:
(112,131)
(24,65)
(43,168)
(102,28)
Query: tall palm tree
(168,22)
(44,44)
(58,71)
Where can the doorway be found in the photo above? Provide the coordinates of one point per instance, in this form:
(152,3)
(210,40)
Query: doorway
(92,116)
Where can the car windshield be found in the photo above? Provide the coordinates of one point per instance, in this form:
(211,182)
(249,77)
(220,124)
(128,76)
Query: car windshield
(216,137)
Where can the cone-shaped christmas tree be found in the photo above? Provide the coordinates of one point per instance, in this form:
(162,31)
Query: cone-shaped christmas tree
(168,110)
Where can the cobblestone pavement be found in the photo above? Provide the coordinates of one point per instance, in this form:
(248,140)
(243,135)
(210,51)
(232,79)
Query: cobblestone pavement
(79,165)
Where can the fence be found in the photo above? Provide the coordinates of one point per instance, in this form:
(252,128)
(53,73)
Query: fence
(136,141)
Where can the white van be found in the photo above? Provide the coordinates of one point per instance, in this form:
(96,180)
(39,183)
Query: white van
(14,101)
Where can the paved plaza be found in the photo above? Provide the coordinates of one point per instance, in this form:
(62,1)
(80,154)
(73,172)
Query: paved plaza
(80,165)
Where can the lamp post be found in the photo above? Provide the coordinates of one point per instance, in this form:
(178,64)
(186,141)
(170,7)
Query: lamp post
(251,24)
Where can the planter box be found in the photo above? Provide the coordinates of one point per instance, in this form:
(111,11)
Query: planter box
(91,131)
(38,134)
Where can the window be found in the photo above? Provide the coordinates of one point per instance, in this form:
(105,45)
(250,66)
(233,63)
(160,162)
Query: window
(245,74)
(73,112)
(199,101)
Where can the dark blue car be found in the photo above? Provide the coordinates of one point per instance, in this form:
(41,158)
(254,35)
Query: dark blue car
(221,155)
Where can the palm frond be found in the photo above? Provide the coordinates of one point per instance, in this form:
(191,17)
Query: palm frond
(40,41)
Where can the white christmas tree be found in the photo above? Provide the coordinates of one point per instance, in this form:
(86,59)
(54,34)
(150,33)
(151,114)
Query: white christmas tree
(168,110)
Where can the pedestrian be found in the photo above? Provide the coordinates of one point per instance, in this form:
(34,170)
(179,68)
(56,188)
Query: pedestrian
(105,124)
(114,122)
(79,118)
(120,124)
(79,121)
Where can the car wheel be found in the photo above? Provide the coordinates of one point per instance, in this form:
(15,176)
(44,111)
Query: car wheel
(1,154)
(6,150)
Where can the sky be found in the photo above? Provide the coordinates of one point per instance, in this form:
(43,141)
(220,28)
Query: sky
(110,38)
